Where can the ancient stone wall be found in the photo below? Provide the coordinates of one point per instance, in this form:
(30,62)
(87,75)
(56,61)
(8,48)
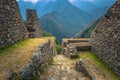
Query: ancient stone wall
(33,25)
(81,68)
(71,47)
(39,61)
(105,39)
(12,28)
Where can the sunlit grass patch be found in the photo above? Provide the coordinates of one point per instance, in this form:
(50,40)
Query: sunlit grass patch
(96,60)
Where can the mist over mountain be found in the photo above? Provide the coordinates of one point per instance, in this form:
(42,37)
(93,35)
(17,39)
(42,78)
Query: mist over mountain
(65,18)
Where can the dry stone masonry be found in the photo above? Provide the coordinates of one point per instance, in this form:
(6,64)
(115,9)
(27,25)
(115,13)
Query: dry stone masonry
(105,39)
(39,61)
(12,28)
(33,24)
(71,47)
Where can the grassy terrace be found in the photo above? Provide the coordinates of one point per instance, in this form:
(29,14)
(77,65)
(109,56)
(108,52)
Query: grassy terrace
(95,60)
(16,56)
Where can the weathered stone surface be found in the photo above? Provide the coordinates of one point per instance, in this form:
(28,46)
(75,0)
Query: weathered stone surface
(33,25)
(40,59)
(105,39)
(80,67)
(12,28)
(71,47)
(63,69)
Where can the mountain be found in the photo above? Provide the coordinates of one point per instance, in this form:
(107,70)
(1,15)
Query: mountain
(46,34)
(39,6)
(65,20)
(51,24)
(86,32)
(96,8)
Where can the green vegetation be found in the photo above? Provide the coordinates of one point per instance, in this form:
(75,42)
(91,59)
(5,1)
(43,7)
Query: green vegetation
(24,22)
(74,57)
(51,62)
(46,34)
(86,33)
(58,47)
(96,60)
(42,70)
(12,47)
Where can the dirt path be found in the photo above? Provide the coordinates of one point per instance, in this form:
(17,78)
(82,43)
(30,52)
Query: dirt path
(63,69)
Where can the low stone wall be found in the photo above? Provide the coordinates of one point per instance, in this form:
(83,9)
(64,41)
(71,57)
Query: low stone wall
(80,67)
(71,47)
(105,39)
(83,48)
(39,60)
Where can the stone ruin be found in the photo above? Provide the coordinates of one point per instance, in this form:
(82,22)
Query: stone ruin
(12,28)
(33,25)
(105,39)
(71,47)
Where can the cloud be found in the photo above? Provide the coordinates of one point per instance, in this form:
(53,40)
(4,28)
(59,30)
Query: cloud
(89,0)
(33,1)
(82,0)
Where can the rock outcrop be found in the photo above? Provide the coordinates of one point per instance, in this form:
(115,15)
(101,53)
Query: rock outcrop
(12,28)
(33,25)
(105,39)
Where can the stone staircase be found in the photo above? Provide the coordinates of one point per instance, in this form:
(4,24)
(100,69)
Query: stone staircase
(63,69)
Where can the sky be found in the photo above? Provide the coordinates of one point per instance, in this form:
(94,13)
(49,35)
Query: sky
(35,1)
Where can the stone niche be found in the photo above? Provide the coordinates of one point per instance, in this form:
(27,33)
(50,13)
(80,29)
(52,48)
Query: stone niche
(33,25)
(12,28)
(105,39)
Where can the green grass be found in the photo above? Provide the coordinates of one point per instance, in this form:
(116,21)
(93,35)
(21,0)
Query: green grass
(14,46)
(46,34)
(58,48)
(92,56)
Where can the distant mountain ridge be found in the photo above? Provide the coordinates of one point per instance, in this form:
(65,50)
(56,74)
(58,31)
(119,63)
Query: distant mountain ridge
(87,31)
(65,19)
(94,7)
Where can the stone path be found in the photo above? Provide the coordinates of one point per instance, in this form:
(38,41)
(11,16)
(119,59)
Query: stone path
(63,69)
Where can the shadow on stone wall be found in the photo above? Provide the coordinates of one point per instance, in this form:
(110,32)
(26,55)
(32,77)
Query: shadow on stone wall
(105,39)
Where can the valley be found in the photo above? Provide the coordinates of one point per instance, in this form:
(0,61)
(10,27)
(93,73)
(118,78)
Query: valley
(66,18)
(45,47)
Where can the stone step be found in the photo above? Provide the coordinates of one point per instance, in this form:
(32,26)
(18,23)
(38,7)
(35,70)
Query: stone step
(53,78)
